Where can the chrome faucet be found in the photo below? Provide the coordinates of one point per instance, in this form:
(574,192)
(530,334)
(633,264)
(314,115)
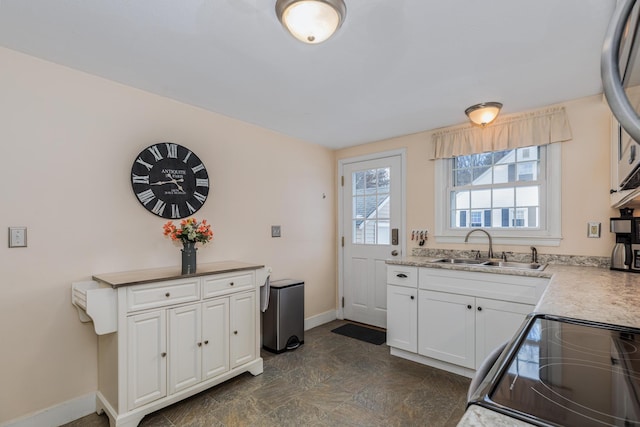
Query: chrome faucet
(466,239)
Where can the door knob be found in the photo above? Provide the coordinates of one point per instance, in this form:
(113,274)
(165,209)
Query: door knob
(394,252)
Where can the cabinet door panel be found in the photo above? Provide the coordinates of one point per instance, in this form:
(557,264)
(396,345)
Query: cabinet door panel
(402,318)
(496,322)
(243,319)
(184,347)
(147,362)
(446,327)
(215,337)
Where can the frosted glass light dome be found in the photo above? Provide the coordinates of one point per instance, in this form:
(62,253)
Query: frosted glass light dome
(483,114)
(311,21)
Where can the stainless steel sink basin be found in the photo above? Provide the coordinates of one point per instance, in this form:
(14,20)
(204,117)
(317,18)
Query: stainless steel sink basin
(461,261)
(493,263)
(519,265)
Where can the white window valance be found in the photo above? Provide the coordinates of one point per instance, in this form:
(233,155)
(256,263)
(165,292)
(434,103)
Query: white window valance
(524,130)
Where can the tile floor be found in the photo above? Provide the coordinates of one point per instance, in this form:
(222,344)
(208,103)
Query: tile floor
(331,380)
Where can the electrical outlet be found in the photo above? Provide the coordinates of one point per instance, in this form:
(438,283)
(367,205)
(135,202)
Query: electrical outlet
(275,231)
(17,237)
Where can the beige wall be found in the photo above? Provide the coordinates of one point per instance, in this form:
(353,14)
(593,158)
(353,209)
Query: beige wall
(68,141)
(585,181)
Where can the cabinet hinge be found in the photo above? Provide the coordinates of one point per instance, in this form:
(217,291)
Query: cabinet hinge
(343,241)
(342,302)
(342,178)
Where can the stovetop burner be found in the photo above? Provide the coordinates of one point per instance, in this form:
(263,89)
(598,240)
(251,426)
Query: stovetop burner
(565,372)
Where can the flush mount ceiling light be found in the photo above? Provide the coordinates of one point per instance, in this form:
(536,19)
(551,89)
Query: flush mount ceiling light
(311,21)
(484,113)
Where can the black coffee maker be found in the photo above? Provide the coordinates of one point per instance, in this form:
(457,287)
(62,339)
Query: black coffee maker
(621,255)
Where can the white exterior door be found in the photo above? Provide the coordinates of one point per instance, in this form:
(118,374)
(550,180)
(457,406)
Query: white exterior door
(372,218)
(147,361)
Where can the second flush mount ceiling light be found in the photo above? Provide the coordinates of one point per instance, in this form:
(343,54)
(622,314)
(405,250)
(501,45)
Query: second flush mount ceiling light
(311,21)
(484,113)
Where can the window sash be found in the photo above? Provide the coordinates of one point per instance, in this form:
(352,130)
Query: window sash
(547,234)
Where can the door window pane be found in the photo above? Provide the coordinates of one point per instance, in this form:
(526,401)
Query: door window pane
(371,214)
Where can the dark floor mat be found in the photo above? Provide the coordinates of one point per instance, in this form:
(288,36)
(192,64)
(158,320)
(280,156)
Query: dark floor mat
(362,333)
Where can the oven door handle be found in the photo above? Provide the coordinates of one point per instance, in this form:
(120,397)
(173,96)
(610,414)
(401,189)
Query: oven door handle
(484,368)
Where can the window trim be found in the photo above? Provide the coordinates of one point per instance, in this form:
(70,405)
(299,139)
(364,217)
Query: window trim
(550,231)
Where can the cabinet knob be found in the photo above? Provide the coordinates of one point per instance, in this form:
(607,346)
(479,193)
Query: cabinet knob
(479,308)
(469,307)
(199,344)
(412,297)
(230,283)
(163,354)
(401,275)
(167,295)
(206,342)
(235,332)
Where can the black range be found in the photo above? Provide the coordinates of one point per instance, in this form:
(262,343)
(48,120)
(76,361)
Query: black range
(566,372)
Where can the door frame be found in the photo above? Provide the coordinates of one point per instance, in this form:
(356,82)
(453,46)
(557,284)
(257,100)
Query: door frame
(402,152)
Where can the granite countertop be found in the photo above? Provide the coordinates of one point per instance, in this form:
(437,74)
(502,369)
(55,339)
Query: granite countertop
(136,277)
(588,293)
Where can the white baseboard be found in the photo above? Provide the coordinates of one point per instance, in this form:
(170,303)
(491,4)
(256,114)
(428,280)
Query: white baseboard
(319,319)
(79,407)
(56,415)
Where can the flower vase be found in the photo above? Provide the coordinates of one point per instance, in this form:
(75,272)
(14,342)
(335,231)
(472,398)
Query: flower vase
(189,257)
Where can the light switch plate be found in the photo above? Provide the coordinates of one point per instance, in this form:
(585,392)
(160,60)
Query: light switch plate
(17,237)
(275,231)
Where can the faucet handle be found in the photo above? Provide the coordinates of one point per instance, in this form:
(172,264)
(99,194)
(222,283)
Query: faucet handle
(534,255)
(504,255)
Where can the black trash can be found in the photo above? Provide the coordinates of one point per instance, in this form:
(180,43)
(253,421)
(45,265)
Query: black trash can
(283,320)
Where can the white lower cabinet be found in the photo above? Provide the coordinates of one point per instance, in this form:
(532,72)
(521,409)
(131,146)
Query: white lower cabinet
(496,322)
(243,332)
(147,357)
(199,343)
(446,327)
(174,339)
(402,326)
(453,319)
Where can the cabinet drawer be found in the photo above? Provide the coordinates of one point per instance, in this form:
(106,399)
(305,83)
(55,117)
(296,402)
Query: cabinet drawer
(402,275)
(141,297)
(224,284)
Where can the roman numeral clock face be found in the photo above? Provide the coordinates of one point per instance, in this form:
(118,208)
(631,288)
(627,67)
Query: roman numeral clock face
(169,180)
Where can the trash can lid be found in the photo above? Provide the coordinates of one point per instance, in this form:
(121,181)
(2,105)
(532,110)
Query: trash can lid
(283,283)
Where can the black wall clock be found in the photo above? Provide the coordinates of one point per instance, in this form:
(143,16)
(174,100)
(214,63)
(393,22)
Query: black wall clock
(169,180)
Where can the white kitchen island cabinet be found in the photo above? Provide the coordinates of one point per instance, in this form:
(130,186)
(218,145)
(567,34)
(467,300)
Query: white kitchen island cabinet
(175,335)
(461,315)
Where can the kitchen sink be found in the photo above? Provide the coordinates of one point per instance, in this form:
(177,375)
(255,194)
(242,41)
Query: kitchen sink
(461,261)
(493,263)
(511,264)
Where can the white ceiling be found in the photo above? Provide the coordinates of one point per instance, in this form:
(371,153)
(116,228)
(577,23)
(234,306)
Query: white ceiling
(395,67)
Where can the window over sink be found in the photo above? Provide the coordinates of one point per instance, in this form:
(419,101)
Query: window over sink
(514,194)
